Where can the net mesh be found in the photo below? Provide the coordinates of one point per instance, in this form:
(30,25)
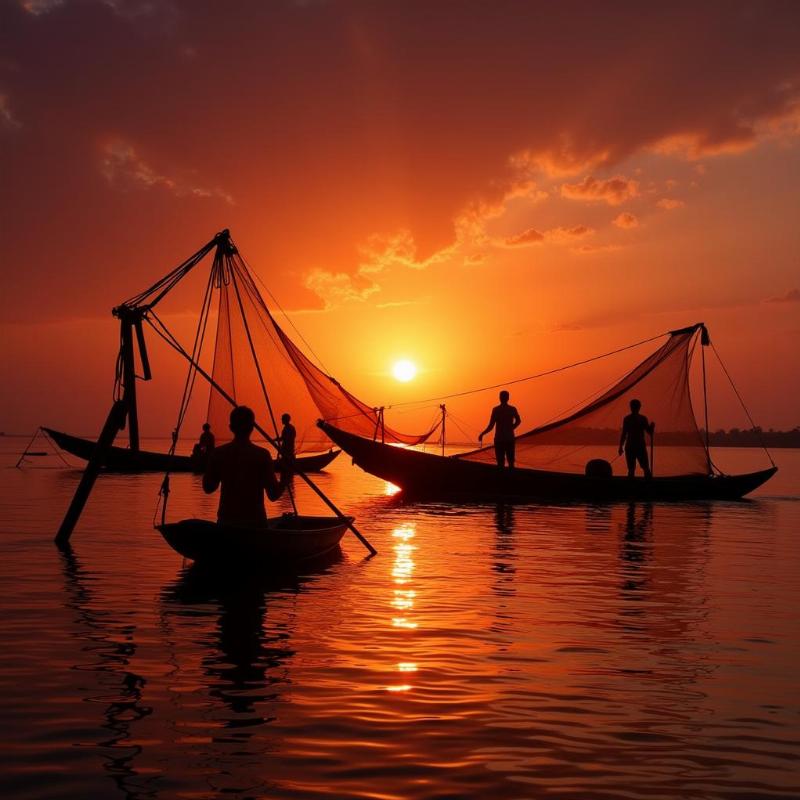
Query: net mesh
(258,365)
(661,383)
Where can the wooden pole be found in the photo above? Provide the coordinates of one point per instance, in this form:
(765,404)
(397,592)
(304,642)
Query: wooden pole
(114,423)
(444,420)
(129,379)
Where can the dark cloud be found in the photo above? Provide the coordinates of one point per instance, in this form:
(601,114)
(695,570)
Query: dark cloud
(330,122)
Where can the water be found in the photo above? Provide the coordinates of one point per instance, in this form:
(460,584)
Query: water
(644,651)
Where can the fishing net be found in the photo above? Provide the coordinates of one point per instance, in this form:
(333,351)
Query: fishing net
(661,383)
(258,365)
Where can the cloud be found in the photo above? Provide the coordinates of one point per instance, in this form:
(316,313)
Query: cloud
(613,191)
(558,235)
(590,249)
(399,249)
(792,296)
(530,236)
(128,9)
(122,167)
(39,7)
(336,288)
(670,203)
(626,220)
(7,118)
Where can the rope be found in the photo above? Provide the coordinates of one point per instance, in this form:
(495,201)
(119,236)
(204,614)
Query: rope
(756,429)
(234,272)
(188,388)
(529,377)
(251,272)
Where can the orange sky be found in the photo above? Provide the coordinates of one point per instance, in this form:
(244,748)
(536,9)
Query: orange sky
(489,189)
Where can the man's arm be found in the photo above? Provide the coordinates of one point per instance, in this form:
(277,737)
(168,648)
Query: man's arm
(272,486)
(211,477)
(492,420)
(517,419)
(623,436)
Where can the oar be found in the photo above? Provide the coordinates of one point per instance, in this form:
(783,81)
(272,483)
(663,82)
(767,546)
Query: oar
(177,347)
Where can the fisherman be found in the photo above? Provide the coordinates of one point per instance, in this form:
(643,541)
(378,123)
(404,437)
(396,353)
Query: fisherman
(287,442)
(245,472)
(632,439)
(505,420)
(207,441)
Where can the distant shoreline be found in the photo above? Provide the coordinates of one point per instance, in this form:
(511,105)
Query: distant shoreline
(754,437)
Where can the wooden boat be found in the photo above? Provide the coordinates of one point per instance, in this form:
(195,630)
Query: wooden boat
(285,541)
(421,474)
(121,459)
(566,460)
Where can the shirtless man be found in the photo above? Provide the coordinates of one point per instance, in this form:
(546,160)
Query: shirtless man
(632,439)
(505,420)
(287,441)
(245,472)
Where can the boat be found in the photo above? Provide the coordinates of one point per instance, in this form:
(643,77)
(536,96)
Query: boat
(122,459)
(428,475)
(285,541)
(573,457)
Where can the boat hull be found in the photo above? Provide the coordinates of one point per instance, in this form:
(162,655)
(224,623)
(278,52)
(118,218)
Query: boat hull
(121,459)
(427,475)
(284,542)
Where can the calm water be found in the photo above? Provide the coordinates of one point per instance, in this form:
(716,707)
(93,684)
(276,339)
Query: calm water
(643,651)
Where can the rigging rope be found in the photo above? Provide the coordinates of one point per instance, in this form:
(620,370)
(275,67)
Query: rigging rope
(756,429)
(529,377)
(188,386)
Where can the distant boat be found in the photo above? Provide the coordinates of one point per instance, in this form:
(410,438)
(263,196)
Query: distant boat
(121,459)
(285,541)
(559,461)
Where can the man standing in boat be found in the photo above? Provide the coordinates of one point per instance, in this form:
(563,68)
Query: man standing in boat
(632,439)
(245,471)
(505,420)
(287,443)
(207,441)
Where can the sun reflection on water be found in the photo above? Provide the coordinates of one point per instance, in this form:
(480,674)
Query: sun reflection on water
(403,599)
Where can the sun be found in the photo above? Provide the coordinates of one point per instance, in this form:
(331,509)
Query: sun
(404,370)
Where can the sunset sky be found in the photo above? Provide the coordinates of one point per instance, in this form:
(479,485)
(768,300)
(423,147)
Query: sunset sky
(487,189)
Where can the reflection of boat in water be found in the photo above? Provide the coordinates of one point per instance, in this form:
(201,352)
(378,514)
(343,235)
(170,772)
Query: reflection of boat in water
(567,459)
(283,543)
(123,459)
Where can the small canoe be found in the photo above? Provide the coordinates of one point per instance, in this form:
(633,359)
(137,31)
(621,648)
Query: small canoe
(121,459)
(284,541)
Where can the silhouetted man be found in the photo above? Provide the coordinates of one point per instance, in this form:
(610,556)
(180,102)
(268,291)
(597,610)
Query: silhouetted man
(505,420)
(287,441)
(207,441)
(632,440)
(245,472)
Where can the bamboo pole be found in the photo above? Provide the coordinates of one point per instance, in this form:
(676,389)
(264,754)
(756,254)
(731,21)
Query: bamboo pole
(114,423)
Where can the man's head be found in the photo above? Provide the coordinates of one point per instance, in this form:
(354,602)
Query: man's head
(504,396)
(206,427)
(286,418)
(635,406)
(243,420)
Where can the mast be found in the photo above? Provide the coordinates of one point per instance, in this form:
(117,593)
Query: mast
(444,421)
(705,341)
